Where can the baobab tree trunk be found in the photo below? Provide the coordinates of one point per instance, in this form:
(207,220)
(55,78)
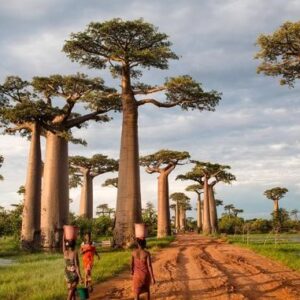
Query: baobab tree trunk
(177,216)
(55,193)
(163,210)
(86,198)
(199,212)
(30,234)
(182,218)
(212,210)
(276,206)
(206,213)
(128,208)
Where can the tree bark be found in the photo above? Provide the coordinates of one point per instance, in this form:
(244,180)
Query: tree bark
(128,208)
(199,212)
(182,218)
(213,210)
(86,198)
(55,193)
(177,216)
(163,210)
(276,206)
(30,234)
(206,213)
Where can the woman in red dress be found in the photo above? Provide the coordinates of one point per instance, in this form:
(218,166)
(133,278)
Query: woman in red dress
(88,251)
(141,269)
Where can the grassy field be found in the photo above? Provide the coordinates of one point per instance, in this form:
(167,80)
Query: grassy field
(40,276)
(284,247)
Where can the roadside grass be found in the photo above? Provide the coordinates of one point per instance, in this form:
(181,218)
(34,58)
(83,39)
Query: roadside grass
(40,276)
(286,250)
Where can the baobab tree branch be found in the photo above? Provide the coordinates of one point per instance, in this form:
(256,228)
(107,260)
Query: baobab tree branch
(157,103)
(150,91)
(27,126)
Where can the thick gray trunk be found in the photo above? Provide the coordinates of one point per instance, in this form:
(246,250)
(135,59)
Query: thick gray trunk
(199,212)
(128,208)
(182,218)
(30,234)
(86,199)
(55,193)
(163,210)
(213,210)
(206,213)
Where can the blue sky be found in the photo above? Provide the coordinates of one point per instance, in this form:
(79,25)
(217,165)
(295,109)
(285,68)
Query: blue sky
(255,129)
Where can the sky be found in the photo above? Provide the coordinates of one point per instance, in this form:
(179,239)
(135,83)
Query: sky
(255,128)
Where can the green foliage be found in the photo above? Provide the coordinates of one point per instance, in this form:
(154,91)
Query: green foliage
(114,42)
(96,165)
(275,193)
(182,200)
(281,219)
(111,182)
(279,53)
(230,224)
(149,216)
(260,226)
(11,221)
(99,226)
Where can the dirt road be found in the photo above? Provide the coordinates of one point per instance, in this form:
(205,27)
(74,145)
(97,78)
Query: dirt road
(196,267)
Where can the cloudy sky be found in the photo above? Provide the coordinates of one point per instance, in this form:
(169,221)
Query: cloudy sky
(255,129)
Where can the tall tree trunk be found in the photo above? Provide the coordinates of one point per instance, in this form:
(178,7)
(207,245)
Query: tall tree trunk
(206,213)
(182,218)
(163,210)
(55,193)
(86,198)
(128,208)
(177,216)
(276,206)
(199,212)
(212,210)
(30,234)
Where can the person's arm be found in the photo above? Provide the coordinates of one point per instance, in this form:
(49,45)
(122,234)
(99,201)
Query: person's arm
(77,266)
(149,263)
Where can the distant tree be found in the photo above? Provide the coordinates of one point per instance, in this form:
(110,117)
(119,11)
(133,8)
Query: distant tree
(163,162)
(279,53)
(237,211)
(197,188)
(275,194)
(102,209)
(202,173)
(149,215)
(183,204)
(83,170)
(294,213)
(128,47)
(229,209)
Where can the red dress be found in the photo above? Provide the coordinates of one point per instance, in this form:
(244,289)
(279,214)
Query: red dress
(141,275)
(88,256)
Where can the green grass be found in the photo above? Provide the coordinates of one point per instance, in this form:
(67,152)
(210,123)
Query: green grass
(285,251)
(40,276)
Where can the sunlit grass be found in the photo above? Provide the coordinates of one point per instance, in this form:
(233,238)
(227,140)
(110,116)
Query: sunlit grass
(287,253)
(40,276)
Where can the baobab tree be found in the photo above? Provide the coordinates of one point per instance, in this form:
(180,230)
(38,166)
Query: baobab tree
(208,175)
(197,188)
(275,194)
(294,213)
(182,202)
(24,112)
(73,91)
(85,170)
(279,53)
(128,47)
(163,162)
(237,211)
(229,209)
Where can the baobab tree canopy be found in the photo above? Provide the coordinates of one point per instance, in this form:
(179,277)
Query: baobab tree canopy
(275,193)
(163,158)
(111,182)
(96,165)
(194,188)
(280,53)
(180,198)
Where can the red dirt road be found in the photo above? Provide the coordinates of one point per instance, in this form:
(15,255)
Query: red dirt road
(197,267)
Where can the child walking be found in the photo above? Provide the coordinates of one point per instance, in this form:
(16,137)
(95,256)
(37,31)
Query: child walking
(88,251)
(141,269)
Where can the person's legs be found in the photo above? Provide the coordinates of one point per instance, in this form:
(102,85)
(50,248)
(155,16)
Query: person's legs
(70,292)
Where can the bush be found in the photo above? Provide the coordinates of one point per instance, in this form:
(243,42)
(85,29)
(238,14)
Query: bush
(230,224)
